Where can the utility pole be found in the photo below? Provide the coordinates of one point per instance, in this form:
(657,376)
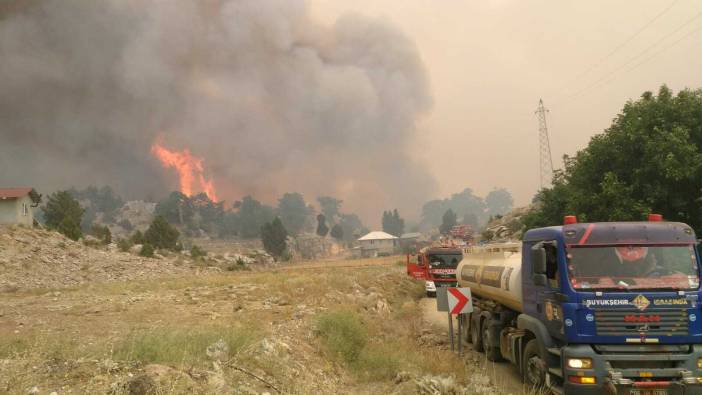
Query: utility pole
(545,163)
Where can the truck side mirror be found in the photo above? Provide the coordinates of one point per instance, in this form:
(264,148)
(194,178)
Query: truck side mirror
(538,258)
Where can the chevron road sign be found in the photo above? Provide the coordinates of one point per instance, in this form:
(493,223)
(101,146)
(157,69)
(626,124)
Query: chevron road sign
(459,300)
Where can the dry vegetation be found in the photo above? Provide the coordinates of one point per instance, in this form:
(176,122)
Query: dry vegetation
(325,327)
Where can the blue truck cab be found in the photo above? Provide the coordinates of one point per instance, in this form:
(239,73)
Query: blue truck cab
(614,308)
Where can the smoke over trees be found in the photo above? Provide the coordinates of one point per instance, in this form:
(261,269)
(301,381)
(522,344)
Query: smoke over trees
(256,88)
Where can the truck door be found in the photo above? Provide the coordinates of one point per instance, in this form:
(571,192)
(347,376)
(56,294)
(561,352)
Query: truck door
(546,286)
(415,269)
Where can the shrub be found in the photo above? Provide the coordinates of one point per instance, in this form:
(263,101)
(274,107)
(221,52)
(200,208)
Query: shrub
(161,234)
(175,346)
(342,334)
(197,252)
(124,244)
(378,363)
(274,235)
(147,250)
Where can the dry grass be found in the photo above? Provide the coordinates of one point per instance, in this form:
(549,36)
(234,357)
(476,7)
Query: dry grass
(185,348)
(87,338)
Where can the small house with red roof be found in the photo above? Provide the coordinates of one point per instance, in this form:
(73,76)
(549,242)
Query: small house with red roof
(16,206)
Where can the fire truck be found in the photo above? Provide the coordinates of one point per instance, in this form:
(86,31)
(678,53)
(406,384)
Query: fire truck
(436,265)
(592,308)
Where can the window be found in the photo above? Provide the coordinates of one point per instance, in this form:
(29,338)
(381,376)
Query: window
(551,263)
(25,209)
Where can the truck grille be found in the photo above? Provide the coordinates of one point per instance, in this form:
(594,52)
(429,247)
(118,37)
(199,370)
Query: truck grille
(635,323)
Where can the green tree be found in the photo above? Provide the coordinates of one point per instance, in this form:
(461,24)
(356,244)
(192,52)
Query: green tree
(350,225)
(274,236)
(330,206)
(103,200)
(177,208)
(209,215)
(63,213)
(293,212)
(499,202)
(463,204)
(337,232)
(448,221)
(648,160)
(161,234)
(322,228)
(251,216)
(102,233)
(393,223)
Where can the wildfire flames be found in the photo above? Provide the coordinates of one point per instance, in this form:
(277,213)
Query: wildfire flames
(190,170)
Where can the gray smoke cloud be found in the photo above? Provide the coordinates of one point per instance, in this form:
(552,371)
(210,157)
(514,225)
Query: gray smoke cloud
(273,101)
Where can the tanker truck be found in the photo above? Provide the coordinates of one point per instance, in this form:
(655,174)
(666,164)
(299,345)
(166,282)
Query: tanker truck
(591,308)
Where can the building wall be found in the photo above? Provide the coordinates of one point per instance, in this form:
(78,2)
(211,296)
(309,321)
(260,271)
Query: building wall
(12,211)
(375,247)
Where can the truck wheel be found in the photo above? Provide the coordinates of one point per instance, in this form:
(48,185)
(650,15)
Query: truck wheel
(491,352)
(431,294)
(475,337)
(534,367)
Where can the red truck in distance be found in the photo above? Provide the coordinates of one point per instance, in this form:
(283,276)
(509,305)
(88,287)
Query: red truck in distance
(435,265)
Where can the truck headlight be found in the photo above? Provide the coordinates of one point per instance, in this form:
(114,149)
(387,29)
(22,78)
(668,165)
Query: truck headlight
(699,363)
(586,363)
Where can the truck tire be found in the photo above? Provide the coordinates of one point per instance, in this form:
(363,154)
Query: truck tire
(534,367)
(492,353)
(475,336)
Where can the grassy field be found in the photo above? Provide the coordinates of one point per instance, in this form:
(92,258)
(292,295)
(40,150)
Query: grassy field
(320,327)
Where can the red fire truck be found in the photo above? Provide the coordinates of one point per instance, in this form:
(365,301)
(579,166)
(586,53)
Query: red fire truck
(436,266)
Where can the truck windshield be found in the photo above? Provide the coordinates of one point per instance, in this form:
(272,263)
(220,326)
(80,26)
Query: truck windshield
(625,267)
(445,260)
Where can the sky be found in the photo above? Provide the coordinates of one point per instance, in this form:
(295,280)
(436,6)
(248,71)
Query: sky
(489,62)
(381,103)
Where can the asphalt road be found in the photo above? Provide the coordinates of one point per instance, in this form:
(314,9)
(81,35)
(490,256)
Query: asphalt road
(503,374)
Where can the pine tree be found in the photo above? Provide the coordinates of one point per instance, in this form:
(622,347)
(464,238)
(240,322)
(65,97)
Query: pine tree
(161,234)
(63,213)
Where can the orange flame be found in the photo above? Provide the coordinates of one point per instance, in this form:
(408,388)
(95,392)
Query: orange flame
(189,167)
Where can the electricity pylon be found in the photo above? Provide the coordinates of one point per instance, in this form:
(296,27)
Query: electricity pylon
(545,163)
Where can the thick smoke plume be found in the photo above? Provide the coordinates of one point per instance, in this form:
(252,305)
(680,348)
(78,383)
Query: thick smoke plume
(270,99)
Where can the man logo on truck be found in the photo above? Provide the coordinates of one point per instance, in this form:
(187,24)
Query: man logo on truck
(641,302)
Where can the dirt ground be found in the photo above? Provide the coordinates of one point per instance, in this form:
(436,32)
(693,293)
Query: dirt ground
(502,374)
(335,326)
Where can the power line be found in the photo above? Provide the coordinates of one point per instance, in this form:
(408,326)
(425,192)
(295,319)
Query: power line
(632,59)
(671,45)
(627,41)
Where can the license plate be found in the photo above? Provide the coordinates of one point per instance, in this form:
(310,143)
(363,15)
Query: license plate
(648,392)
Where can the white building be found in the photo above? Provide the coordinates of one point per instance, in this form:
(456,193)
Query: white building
(16,206)
(378,243)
